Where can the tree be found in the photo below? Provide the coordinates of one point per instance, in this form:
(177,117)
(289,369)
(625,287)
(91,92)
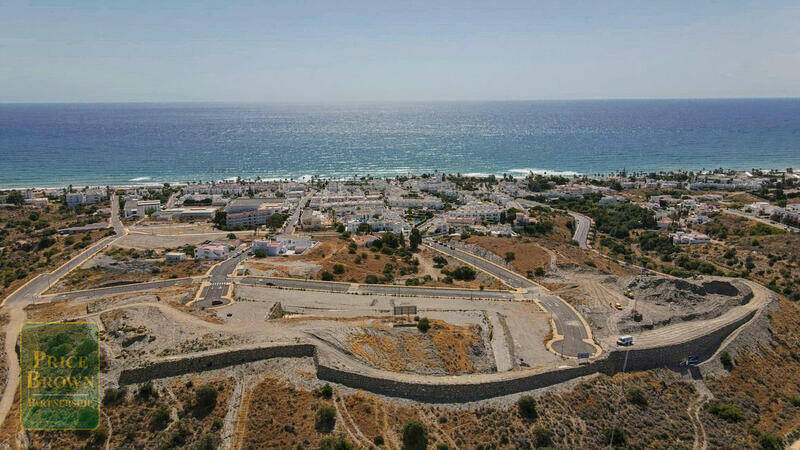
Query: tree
(526,406)
(325,419)
(338,269)
(160,417)
(464,273)
(635,395)
(415,239)
(415,436)
(371,279)
(220,218)
(326,276)
(726,360)
(231,236)
(510,256)
(424,324)
(335,443)
(542,437)
(205,398)
(15,198)
(260,253)
(614,436)
(390,240)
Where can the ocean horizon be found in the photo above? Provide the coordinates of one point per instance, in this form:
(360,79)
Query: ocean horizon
(58,144)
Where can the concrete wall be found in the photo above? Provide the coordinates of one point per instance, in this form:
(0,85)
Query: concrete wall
(213,360)
(442,390)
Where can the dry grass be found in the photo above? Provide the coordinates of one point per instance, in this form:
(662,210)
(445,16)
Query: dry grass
(333,251)
(765,384)
(96,277)
(279,415)
(444,347)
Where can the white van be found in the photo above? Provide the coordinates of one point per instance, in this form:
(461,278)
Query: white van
(625,340)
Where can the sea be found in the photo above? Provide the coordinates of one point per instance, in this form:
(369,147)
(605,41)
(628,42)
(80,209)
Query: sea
(50,145)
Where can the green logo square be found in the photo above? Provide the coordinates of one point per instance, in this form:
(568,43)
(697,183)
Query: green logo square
(59,370)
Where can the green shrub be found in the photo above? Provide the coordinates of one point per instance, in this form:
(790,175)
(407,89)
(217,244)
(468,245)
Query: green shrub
(327,276)
(146,391)
(208,441)
(726,411)
(726,360)
(371,279)
(326,391)
(160,418)
(442,446)
(113,396)
(99,435)
(527,407)
(338,269)
(635,395)
(769,441)
(424,325)
(465,273)
(335,443)
(614,436)
(415,436)
(260,253)
(325,419)
(539,272)
(205,398)
(542,437)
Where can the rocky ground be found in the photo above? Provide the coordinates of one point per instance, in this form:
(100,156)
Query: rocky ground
(444,349)
(664,301)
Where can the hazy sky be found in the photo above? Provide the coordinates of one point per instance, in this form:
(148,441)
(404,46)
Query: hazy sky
(430,50)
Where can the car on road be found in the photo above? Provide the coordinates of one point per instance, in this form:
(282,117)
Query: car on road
(690,361)
(270,283)
(625,340)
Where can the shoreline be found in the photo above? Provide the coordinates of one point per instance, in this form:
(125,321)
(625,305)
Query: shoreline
(514,173)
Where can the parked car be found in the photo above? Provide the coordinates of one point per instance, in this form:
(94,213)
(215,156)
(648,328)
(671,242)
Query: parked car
(690,361)
(625,340)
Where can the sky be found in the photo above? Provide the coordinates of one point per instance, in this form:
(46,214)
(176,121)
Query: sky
(339,51)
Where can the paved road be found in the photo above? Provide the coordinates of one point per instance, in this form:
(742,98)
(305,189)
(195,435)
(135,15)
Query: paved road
(433,292)
(219,281)
(769,222)
(291,222)
(115,290)
(582,225)
(297,283)
(568,322)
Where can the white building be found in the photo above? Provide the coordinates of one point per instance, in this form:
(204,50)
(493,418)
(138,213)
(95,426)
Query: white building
(213,251)
(86,197)
(174,257)
(140,208)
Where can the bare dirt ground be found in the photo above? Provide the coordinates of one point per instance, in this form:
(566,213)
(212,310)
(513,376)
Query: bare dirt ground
(3,369)
(117,266)
(333,251)
(663,301)
(445,349)
(571,419)
(154,239)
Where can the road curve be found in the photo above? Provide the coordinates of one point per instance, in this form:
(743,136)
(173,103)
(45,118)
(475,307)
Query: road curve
(569,325)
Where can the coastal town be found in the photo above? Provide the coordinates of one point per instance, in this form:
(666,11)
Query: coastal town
(421,306)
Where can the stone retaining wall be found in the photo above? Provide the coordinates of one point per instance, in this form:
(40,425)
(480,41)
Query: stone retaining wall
(213,360)
(444,391)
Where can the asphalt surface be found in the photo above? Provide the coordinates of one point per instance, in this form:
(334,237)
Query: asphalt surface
(432,292)
(568,322)
(291,222)
(219,281)
(582,225)
(296,284)
(114,290)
